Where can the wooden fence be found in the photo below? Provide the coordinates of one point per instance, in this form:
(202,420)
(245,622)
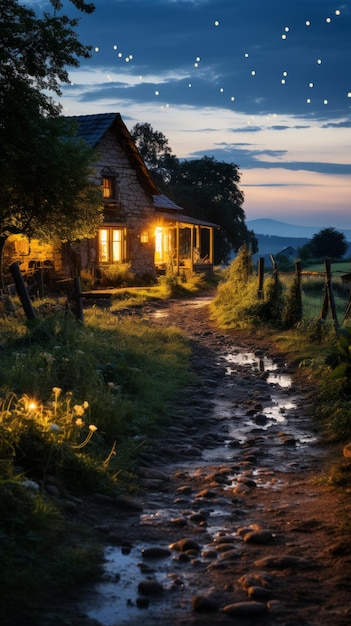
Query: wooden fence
(328,299)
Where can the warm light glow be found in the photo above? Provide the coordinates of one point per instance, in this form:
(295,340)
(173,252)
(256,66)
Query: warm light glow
(144,236)
(158,240)
(32,405)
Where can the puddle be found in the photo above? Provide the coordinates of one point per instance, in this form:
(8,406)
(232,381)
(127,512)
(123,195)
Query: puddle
(196,303)
(116,600)
(261,364)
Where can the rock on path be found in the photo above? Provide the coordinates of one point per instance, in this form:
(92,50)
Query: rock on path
(234,527)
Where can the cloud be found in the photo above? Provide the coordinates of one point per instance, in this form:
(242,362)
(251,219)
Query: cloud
(270,159)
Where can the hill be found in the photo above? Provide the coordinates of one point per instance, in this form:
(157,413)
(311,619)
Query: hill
(270,244)
(276,228)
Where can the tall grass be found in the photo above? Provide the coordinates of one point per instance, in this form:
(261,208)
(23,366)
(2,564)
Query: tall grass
(77,404)
(296,327)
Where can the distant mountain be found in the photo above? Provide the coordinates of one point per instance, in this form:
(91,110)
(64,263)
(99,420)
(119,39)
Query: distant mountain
(270,244)
(281,229)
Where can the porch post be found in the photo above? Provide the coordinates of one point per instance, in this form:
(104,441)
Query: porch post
(211,244)
(177,246)
(192,247)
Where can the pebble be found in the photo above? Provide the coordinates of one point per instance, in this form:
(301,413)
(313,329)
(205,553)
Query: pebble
(155,553)
(185,544)
(201,604)
(245,609)
(150,587)
(258,536)
(284,561)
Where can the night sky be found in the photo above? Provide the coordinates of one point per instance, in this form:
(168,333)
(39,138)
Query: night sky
(265,84)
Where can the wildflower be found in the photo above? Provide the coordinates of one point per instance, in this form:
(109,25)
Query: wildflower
(92,429)
(78,409)
(79,422)
(56,391)
(47,357)
(79,352)
(85,404)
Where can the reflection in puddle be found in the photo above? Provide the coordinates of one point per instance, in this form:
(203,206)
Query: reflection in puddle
(262,364)
(116,599)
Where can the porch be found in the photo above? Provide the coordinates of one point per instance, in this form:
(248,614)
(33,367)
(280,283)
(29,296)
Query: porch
(185,243)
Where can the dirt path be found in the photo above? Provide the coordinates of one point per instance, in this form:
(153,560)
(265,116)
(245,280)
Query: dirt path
(233,524)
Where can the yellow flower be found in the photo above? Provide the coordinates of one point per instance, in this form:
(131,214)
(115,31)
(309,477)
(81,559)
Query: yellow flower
(92,428)
(79,422)
(85,404)
(56,391)
(78,409)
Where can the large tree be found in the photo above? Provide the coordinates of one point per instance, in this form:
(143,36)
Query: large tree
(328,242)
(209,189)
(44,170)
(206,188)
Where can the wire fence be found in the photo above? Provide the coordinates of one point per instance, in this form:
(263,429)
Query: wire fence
(325,295)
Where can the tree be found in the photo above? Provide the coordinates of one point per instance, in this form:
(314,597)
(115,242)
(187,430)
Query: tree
(44,170)
(328,243)
(206,188)
(209,189)
(155,151)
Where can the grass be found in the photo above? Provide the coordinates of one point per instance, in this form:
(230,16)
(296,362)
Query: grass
(78,402)
(313,344)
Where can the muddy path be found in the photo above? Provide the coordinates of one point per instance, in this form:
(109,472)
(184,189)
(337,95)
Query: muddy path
(233,524)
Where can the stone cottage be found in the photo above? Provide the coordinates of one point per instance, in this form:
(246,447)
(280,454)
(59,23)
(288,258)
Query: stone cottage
(142,227)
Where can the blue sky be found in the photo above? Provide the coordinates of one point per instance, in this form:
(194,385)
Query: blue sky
(265,84)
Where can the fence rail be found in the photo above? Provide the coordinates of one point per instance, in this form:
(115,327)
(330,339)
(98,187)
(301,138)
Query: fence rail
(326,301)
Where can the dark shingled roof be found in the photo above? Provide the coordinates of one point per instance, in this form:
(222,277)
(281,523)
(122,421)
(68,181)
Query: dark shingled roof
(92,128)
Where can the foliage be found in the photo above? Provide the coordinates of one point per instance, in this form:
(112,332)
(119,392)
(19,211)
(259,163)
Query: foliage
(44,170)
(31,528)
(152,145)
(206,188)
(238,302)
(327,243)
(78,403)
(116,275)
(292,312)
(45,190)
(340,360)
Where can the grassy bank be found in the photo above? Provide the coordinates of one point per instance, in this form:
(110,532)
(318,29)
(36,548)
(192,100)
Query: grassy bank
(292,321)
(78,403)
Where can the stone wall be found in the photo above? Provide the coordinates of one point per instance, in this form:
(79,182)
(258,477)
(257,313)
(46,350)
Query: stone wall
(135,210)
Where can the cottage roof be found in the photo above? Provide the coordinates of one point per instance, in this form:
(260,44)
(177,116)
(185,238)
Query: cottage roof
(92,129)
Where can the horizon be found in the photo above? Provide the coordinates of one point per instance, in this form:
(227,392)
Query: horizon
(263,85)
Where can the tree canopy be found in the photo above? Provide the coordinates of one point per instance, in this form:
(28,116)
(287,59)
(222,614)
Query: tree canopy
(206,188)
(44,170)
(326,243)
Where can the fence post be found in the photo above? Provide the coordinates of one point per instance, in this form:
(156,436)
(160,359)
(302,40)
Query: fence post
(76,296)
(22,291)
(260,292)
(329,289)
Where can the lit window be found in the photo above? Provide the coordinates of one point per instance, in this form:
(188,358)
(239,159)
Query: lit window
(144,236)
(111,245)
(108,187)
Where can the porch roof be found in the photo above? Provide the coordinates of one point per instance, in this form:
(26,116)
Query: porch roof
(160,201)
(184,219)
